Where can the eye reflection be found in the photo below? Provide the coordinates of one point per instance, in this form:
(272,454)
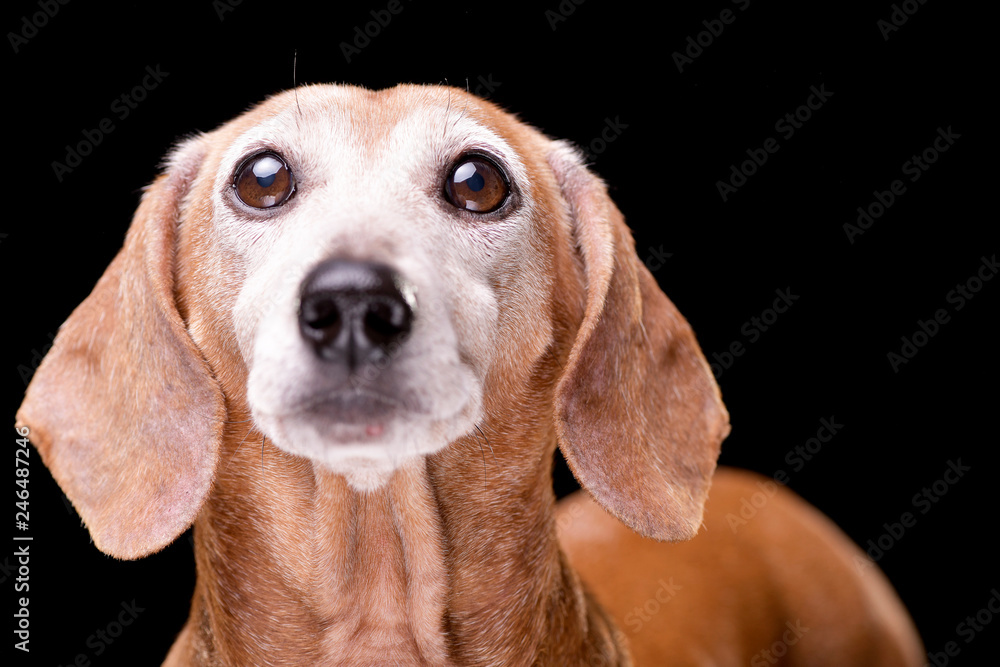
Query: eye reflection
(477,185)
(264,181)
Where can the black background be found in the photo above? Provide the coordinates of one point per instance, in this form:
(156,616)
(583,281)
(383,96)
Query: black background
(679,132)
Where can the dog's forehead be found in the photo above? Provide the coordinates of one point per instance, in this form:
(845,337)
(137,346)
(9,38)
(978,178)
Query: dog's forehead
(329,127)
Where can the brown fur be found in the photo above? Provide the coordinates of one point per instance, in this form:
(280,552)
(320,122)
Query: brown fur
(140,412)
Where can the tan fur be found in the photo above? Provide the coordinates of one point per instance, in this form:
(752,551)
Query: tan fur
(141,412)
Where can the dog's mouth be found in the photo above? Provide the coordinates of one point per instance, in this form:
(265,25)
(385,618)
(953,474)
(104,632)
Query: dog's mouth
(366,432)
(356,407)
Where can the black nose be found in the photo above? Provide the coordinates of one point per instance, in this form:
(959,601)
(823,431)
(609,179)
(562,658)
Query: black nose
(352,311)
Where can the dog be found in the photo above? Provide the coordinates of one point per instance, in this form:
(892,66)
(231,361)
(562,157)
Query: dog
(343,338)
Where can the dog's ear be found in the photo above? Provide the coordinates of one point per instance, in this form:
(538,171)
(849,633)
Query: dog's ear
(638,413)
(123,409)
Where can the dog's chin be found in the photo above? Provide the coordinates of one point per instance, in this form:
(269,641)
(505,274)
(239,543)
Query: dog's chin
(366,448)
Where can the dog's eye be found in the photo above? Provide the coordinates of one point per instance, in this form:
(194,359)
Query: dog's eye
(476,184)
(263,181)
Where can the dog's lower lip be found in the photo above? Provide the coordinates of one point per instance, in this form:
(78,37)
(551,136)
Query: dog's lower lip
(356,407)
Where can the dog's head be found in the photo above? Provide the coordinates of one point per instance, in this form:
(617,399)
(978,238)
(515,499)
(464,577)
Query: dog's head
(367,277)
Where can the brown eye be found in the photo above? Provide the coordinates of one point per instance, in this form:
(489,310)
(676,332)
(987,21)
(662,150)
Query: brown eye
(476,184)
(263,181)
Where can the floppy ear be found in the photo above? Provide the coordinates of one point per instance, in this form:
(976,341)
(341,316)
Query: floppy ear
(123,409)
(638,413)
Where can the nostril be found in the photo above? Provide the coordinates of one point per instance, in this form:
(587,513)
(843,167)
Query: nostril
(387,320)
(351,311)
(321,313)
(321,322)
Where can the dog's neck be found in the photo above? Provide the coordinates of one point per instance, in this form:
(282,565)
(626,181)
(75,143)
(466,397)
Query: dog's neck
(453,561)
